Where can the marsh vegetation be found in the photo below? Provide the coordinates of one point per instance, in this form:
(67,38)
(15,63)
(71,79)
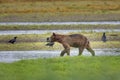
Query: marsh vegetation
(59,10)
(58,27)
(38,41)
(60,68)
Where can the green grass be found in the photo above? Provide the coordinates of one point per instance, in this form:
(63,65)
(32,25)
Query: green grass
(28,46)
(23,46)
(92,36)
(65,68)
(25,38)
(57,27)
(109,44)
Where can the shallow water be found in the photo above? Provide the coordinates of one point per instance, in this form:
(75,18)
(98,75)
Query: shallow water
(12,56)
(14,32)
(59,23)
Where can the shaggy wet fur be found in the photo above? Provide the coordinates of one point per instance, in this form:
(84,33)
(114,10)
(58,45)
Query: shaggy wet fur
(75,40)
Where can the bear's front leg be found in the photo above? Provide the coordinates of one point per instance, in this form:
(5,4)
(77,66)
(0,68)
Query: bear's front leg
(66,50)
(62,53)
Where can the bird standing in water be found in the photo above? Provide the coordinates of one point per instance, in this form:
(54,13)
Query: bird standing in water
(104,38)
(12,41)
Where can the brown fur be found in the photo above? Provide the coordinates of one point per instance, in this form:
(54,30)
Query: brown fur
(75,40)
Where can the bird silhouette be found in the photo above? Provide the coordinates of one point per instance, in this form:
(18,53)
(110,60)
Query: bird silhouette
(12,41)
(104,38)
(50,44)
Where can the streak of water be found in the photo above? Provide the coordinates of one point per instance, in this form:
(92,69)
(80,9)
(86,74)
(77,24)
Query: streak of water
(14,32)
(11,56)
(59,23)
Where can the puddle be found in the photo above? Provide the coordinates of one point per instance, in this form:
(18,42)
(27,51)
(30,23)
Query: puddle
(11,56)
(59,23)
(14,32)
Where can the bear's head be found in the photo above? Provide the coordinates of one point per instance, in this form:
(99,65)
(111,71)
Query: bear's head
(53,38)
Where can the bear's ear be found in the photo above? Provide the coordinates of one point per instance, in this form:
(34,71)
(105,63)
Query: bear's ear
(54,34)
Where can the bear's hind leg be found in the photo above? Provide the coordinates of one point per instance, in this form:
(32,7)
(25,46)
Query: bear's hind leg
(91,50)
(80,50)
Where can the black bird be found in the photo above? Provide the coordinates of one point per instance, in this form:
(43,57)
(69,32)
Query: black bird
(104,38)
(12,41)
(50,44)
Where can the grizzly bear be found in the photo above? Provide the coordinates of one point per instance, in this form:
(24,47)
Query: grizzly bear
(75,40)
